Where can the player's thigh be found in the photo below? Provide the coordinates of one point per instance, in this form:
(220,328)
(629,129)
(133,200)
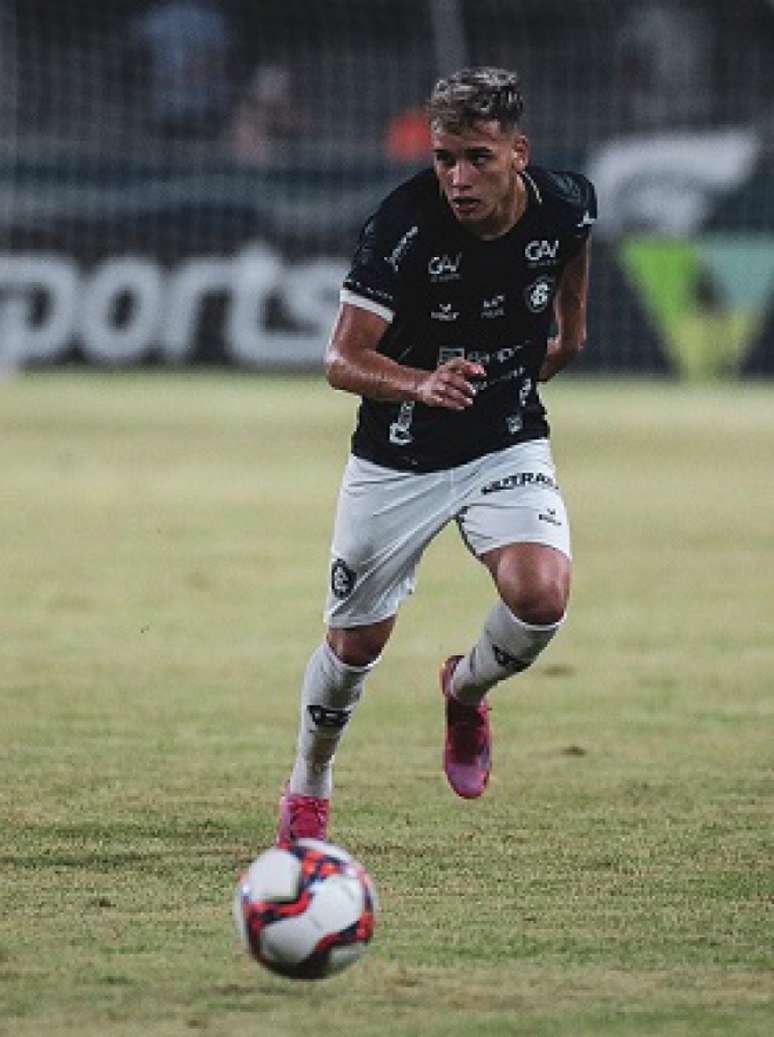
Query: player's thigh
(384,521)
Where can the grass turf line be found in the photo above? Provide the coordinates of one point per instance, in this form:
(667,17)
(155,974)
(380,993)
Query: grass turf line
(165,551)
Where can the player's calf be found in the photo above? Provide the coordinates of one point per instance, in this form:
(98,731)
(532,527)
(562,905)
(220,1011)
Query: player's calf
(507,646)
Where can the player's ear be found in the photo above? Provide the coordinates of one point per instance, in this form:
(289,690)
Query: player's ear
(520,153)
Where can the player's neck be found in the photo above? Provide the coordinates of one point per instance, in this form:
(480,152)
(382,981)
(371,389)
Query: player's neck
(507,215)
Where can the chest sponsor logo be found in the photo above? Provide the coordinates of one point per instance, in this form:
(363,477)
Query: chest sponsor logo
(502,356)
(450,353)
(542,251)
(444,311)
(538,295)
(445,267)
(494,307)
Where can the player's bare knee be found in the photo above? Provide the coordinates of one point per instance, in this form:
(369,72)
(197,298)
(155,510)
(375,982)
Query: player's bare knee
(358,646)
(542,603)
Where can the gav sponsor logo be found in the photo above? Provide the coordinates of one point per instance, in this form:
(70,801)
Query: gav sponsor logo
(445,267)
(542,251)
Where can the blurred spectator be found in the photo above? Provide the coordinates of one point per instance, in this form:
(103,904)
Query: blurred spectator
(266,119)
(665,65)
(185,46)
(408,136)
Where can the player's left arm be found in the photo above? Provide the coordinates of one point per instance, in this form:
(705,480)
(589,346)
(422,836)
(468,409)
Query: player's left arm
(570,313)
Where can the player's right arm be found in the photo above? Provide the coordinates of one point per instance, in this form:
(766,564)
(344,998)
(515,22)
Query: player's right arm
(353,363)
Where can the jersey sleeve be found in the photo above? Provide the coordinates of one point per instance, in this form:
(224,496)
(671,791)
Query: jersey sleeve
(581,207)
(378,276)
(572,200)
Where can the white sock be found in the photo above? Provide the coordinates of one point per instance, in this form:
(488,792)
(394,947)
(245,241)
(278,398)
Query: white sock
(507,645)
(330,692)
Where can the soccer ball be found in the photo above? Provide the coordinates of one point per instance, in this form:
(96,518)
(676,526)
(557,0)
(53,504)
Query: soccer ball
(306,911)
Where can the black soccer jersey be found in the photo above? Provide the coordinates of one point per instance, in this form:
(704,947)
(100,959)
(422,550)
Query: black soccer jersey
(447,293)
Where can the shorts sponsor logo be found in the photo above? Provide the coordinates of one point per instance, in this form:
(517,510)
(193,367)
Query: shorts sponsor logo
(342,579)
(334,719)
(549,515)
(539,294)
(520,479)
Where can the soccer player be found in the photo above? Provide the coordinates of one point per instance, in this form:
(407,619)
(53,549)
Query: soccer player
(444,331)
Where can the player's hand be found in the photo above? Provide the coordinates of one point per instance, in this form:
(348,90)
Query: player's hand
(450,386)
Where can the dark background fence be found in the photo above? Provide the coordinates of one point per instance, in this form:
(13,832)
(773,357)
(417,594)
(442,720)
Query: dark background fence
(184,180)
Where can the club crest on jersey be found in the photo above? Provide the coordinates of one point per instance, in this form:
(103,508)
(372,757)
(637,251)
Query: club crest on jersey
(542,251)
(445,267)
(539,294)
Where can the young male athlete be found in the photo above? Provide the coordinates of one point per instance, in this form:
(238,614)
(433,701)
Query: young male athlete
(444,331)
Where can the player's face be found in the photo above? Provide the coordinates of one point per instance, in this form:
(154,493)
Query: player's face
(478,169)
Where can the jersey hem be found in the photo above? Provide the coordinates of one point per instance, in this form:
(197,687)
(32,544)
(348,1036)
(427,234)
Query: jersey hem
(376,456)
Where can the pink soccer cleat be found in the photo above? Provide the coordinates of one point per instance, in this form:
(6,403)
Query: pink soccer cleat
(302,817)
(467,755)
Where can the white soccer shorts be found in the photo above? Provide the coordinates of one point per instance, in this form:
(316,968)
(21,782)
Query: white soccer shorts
(385,519)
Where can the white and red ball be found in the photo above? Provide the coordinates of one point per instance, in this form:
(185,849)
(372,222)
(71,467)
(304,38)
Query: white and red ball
(306,911)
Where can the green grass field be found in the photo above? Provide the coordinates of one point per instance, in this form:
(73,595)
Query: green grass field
(164,553)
